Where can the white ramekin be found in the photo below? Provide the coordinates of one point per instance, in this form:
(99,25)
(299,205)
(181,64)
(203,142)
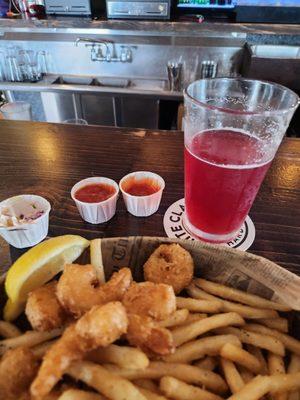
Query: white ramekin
(31,233)
(96,213)
(142,206)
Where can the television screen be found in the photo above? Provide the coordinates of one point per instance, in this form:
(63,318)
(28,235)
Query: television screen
(221,4)
(271,3)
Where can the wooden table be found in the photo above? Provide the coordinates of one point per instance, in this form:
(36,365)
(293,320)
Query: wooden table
(47,159)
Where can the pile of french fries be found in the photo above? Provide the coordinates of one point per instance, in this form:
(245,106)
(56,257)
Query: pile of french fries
(229,344)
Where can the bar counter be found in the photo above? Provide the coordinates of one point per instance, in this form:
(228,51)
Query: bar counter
(252,33)
(151,26)
(48,159)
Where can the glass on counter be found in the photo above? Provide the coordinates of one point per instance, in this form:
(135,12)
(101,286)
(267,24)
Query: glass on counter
(18,110)
(232,130)
(19,65)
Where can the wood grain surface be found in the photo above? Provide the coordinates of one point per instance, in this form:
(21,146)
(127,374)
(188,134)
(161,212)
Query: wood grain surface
(48,159)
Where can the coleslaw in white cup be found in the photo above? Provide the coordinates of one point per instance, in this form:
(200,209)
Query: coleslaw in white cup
(24,220)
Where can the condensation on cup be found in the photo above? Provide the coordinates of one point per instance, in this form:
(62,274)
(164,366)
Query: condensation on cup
(232,130)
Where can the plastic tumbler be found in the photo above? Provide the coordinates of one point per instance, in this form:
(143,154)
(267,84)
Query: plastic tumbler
(232,130)
(19,110)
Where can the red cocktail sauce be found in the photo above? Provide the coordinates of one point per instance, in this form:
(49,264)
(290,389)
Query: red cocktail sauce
(95,192)
(140,187)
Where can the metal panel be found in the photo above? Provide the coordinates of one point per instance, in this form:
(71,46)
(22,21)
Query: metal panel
(134,9)
(148,60)
(68,7)
(98,110)
(58,106)
(135,104)
(139,113)
(280,64)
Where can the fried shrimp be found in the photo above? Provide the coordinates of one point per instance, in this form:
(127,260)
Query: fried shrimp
(145,333)
(79,289)
(101,326)
(57,359)
(150,299)
(43,310)
(18,368)
(145,304)
(170,264)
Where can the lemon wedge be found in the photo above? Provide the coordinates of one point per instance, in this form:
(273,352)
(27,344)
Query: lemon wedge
(36,267)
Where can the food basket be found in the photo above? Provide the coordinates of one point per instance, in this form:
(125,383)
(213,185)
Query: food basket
(231,267)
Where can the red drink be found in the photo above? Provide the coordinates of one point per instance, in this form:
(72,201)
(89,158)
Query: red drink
(223,172)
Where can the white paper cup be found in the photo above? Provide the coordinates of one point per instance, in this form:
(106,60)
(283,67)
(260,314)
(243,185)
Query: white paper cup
(96,213)
(142,206)
(31,233)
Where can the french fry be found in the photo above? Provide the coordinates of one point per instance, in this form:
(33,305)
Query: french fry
(241,357)
(151,395)
(285,383)
(192,317)
(76,394)
(195,305)
(96,259)
(232,375)
(290,343)
(246,375)
(177,318)
(179,390)
(239,296)
(276,367)
(112,386)
(124,356)
(187,373)
(40,350)
(261,385)
(263,341)
(253,390)
(208,362)
(147,384)
(197,293)
(275,364)
(229,306)
(256,352)
(28,339)
(281,324)
(186,333)
(294,366)
(9,330)
(196,349)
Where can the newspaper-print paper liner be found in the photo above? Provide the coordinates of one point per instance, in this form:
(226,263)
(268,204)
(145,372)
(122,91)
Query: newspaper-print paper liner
(245,271)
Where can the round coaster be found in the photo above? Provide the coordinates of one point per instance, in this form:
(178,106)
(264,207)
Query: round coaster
(174,228)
